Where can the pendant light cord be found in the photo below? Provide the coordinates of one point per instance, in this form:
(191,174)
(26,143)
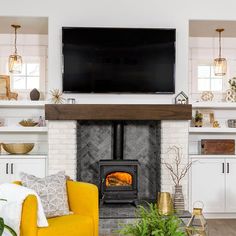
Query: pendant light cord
(15,40)
(220,44)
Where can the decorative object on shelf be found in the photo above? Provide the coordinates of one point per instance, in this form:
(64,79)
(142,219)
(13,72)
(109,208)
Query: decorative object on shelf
(41,122)
(181,98)
(220,64)
(70,100)
(230,95)
(218,147)
(231,123)
(28,123)
(164,203)
(208,117)
(197,225)
(2,122)
(5,91)
(216,124)
(34,95)
(15,60)
(232,83)
(177,174)
(18,148)
(57,96)
(207,96)
(198,119)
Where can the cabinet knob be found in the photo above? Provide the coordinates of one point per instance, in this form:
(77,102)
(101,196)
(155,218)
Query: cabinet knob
(12,170)
(227,168)
(7,165)
(223,168)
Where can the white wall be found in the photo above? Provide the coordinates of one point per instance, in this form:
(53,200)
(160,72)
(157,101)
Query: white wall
(126,13)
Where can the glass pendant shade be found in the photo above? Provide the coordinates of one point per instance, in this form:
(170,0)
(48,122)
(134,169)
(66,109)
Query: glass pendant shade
(15,64)
(220,64)
(15,60)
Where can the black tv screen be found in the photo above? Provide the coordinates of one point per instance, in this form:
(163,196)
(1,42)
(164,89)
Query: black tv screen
(118,60)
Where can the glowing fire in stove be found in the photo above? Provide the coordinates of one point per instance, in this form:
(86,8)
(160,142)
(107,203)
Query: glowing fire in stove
(119,179)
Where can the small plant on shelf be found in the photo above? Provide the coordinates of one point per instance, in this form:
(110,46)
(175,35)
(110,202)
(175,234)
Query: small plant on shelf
(198,119)
(151,222)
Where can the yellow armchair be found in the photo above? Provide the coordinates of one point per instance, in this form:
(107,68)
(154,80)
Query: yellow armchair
(83,202)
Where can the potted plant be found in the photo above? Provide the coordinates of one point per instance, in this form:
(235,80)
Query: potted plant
(178,171)
(4,226)
(151,223)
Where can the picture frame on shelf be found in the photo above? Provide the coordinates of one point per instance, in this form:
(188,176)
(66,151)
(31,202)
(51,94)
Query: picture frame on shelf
(208,118)
(5,91)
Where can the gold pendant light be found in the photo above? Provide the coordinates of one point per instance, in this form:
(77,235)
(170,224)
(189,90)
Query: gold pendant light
(220,64)
(15,60)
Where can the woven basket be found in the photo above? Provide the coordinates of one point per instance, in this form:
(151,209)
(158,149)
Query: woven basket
(18,148)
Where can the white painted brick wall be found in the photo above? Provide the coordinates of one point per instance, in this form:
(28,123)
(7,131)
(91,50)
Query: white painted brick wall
(63,148)
(173,133)
(62,139)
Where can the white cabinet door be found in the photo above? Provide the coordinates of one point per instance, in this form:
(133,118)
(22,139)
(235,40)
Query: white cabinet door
(5,176)
(10,168)
(230,185)
(30,166)
(208,184)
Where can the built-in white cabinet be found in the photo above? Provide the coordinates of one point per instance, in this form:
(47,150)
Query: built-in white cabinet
(213,183)
(11,113)
(10,168)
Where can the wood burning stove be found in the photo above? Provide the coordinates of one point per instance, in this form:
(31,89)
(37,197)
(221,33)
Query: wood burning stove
(118,181)
(118,177)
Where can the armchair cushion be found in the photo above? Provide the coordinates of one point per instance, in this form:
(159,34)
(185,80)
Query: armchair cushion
(52,192)
(72,225)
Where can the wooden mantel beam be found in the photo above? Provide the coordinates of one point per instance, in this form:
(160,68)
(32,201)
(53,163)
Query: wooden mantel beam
(117,112)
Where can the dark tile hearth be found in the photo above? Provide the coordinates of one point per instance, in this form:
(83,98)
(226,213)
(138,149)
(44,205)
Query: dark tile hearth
(117,212)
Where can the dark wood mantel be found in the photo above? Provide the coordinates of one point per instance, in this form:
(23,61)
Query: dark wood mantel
(117,112)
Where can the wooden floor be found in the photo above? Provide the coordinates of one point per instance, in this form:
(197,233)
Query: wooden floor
(222,227)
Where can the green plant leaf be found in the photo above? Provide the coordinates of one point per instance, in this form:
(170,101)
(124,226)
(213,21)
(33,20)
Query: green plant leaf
(151,223)
(1,226)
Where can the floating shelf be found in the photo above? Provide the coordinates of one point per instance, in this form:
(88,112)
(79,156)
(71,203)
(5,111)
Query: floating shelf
(35,156)
(20,129)
(211,130)
(214,105)
(196,156)
(28,104)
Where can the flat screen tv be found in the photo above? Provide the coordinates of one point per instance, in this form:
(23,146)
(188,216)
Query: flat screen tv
(118,60)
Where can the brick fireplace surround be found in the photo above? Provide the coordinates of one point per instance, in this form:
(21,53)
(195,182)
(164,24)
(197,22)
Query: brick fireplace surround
(62,138)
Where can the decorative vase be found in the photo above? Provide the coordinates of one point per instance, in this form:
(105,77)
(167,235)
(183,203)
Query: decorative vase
(178,199)
(34,95)
(164,203)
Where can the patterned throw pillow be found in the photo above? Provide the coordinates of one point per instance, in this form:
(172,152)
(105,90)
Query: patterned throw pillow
(52,192)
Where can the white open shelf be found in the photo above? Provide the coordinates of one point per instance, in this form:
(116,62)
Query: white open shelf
(19,129)
(211,130)
(196,156)
(14,156)
(214,105)
(23,103)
